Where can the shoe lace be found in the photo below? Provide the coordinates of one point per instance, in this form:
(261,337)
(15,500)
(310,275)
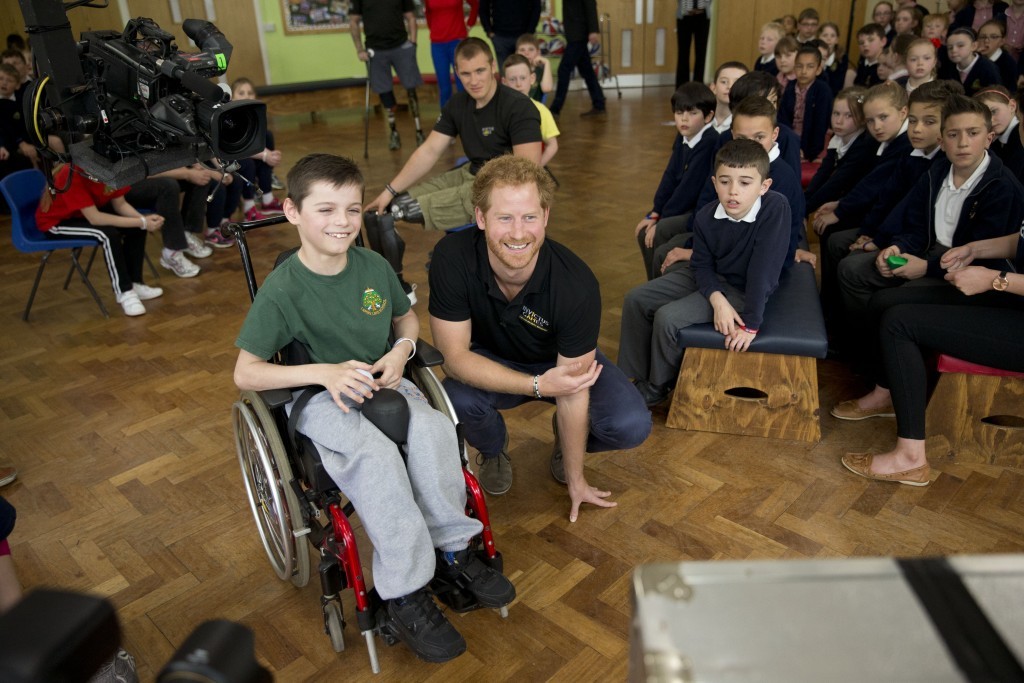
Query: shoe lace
(419,610)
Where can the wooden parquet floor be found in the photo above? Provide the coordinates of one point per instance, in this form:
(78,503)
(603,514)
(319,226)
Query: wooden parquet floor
(130,487)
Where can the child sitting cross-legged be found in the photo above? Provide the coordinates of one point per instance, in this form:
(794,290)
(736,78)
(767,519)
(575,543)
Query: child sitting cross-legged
(741,243)
(342,301)
(693,106)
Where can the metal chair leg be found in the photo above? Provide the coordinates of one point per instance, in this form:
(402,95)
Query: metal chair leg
(88,283)
(35,285)
(152,268)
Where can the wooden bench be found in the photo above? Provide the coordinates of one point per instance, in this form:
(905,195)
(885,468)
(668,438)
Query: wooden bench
(770,390)
(976,414)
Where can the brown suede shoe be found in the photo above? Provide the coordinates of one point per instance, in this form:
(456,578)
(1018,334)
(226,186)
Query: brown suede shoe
(848,410)
(860,464)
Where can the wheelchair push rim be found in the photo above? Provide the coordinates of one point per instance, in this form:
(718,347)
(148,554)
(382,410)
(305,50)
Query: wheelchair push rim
(266,474)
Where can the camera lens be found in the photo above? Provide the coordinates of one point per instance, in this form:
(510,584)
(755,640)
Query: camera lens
(237,129)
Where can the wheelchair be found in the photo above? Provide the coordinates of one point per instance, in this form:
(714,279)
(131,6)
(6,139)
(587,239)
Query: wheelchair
(294,501)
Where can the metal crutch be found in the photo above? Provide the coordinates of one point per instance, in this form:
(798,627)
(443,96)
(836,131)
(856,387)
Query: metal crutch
(366,109)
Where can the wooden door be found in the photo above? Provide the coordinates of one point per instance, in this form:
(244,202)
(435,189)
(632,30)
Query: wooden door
(659,42)
(642,40)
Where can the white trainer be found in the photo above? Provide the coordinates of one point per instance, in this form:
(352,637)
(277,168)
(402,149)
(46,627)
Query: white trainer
(196,247)
(146,292)
(130,303)
(177,263)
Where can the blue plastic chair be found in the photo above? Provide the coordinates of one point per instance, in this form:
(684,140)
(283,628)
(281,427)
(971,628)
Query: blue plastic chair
(22,191)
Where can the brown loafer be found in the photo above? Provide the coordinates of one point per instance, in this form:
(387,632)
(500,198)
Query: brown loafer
(848,410)
(860,464)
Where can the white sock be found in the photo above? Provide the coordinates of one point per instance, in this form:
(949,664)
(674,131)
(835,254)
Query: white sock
(247,204)
(168,253)
(268,199)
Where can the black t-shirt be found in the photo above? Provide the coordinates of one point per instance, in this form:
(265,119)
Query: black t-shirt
(558,311)
(383,22)
(509,119)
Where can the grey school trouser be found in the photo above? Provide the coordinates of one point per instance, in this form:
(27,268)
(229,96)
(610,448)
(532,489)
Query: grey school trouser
(407,512)
(652,314)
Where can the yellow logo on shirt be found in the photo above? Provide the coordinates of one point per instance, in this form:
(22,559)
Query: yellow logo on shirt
(373,303)
(534,319)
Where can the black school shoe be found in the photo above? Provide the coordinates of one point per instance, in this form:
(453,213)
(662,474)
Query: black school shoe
(416,620)
(471,574)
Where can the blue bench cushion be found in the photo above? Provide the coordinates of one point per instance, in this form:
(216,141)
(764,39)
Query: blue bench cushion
(793,322)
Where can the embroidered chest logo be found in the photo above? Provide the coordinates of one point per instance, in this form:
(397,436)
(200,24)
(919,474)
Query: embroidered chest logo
(534,319)
(373,303)
(487,131)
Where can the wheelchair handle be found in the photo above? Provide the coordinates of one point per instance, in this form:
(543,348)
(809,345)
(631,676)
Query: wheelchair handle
(233,230)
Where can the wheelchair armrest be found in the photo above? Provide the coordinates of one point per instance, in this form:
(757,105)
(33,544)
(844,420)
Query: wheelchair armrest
(427,355)
(275,398)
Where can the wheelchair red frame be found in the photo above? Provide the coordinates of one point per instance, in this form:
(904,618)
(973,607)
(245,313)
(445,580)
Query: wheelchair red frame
(287,507)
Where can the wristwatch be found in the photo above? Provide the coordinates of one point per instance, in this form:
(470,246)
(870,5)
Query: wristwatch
(1000,283)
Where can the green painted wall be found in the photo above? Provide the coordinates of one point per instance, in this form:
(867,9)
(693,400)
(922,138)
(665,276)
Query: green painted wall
(323,56)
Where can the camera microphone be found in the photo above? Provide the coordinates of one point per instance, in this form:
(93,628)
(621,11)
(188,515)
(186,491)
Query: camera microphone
(207,89)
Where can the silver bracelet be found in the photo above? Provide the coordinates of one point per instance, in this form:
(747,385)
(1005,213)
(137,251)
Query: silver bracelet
(536,386)
(402,339)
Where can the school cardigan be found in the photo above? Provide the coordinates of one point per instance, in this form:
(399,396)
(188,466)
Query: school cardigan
(994,208)
(836,177)
(858,201)
(884,215)
(687,170)
(817,115)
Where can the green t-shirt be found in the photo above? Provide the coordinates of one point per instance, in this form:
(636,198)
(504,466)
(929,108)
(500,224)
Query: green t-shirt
(339,317)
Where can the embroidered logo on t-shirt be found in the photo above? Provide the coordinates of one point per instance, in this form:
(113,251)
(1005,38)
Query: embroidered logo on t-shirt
(534,319)
(487,131)
(373,303)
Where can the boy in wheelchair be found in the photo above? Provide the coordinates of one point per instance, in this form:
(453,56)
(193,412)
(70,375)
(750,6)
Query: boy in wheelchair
(342,301)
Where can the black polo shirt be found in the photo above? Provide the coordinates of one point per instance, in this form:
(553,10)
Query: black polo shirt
(558,311)
(383,22)
(510,118)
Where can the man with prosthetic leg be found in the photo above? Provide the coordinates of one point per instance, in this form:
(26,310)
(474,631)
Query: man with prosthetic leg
(391,31)
(491,119)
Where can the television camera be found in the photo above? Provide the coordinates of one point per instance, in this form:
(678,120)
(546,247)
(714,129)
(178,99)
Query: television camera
(130,104)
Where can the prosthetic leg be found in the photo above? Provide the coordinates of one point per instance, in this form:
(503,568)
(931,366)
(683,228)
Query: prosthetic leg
(385,240)
(387,100)
(414,107)
(405,208)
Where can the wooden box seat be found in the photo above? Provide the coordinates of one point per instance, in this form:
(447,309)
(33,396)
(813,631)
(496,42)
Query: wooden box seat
(976,414)
(770,390)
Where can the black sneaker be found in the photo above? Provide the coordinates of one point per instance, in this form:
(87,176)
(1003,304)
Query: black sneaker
(471,574)
(653,394)
(416,620)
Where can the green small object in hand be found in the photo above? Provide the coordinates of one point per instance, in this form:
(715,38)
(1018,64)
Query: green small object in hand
(895,261)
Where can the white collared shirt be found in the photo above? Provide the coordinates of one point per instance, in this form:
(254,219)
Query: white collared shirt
(750,216)
(950,202)
(929,155)
(996,55)
(725,125)
(898,74)
(969,66)
(830,61)
(774,153)
(1010,130)
(692,142)
(841,147)
(8,97)
(882,146)
(767,59)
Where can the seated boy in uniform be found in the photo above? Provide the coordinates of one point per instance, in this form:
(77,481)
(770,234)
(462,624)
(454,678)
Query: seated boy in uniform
(342,301)
(741,243)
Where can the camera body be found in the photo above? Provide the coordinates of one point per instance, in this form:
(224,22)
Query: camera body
(131,104)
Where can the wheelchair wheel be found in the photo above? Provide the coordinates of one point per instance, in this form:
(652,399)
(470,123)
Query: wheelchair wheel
(335,625)
(267,473)
(431,386)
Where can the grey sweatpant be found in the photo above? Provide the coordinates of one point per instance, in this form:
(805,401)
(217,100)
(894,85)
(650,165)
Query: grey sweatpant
(407,512)
(652,314)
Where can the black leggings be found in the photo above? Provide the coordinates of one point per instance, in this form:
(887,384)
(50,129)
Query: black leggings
(123,249)
(978,334)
